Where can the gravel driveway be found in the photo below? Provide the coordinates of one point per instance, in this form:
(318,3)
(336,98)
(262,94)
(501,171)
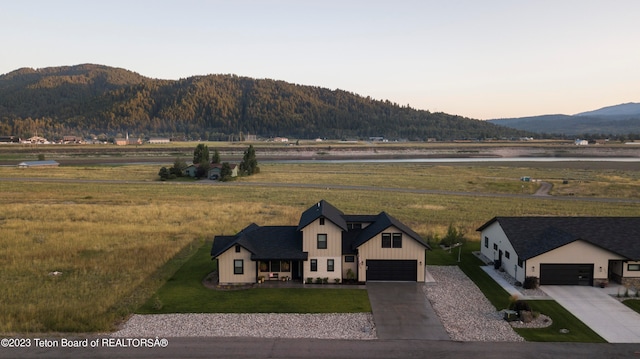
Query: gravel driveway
(466,313)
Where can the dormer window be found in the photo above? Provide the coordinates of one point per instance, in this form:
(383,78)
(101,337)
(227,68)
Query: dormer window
(322,221)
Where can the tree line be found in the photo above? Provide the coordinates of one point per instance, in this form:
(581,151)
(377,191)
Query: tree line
(98,100)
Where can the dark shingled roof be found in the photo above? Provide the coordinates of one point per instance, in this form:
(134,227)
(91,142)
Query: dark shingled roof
(322,209)
(382,222)
(532,236)
(264,243)
(275,242)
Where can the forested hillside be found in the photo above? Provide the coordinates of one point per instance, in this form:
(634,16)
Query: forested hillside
(98,100)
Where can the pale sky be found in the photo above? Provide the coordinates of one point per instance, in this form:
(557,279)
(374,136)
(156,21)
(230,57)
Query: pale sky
(480,59)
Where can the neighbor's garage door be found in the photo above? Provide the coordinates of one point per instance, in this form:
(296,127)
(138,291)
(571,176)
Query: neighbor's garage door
(392,270)
(566,274)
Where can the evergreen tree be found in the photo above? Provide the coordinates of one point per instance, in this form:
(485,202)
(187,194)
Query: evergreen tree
(216,156)
(249,164)
(164,174)
(225,172)
(201,154)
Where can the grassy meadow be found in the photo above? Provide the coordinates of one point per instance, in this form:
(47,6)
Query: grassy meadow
(117,234)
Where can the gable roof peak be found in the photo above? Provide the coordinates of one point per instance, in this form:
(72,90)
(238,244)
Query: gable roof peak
(322,209)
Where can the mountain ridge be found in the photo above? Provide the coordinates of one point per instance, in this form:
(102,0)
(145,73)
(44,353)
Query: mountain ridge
(98,99)
(622,119)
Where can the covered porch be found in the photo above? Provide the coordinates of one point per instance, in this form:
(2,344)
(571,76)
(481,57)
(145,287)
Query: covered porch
(279,270)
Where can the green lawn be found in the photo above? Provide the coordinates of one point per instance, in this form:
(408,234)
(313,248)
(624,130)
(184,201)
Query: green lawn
(185,293)
(633,304)
(562,319)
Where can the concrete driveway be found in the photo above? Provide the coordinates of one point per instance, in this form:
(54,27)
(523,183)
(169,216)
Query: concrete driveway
(401,311)
(605,315)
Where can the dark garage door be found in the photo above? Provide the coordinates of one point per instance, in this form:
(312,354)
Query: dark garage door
(566,274)
(392,270)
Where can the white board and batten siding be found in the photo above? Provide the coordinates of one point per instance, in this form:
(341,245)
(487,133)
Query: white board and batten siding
(226,271)
(372,250)
(333,250)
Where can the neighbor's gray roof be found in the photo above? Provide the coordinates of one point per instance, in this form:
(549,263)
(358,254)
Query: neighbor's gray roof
(532,236)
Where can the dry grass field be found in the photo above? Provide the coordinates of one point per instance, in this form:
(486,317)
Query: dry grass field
(117,234)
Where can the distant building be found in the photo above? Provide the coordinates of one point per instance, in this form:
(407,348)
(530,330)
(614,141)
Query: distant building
(37,140)
(216,170)
(191,170)
(30,164)
(158,140)
(280,139)
(72,139)
(580,142)
(126,141)
(9,139)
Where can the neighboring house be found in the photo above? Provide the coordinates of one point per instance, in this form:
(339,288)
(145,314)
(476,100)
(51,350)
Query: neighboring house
(191,170)
(30,164)
(565,250)
(216,168)
(326,243)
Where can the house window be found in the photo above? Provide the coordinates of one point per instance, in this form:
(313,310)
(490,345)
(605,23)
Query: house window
(238,266)
(322,241)
(633,267)
(314,265)
(495,246)
(507,254)
(285,266)
(237,248)
(386,240)
(397,240)
(350,259)
(322,221)
(264,266)
(329,265)
(520,262)
(275,266)
(486,242)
